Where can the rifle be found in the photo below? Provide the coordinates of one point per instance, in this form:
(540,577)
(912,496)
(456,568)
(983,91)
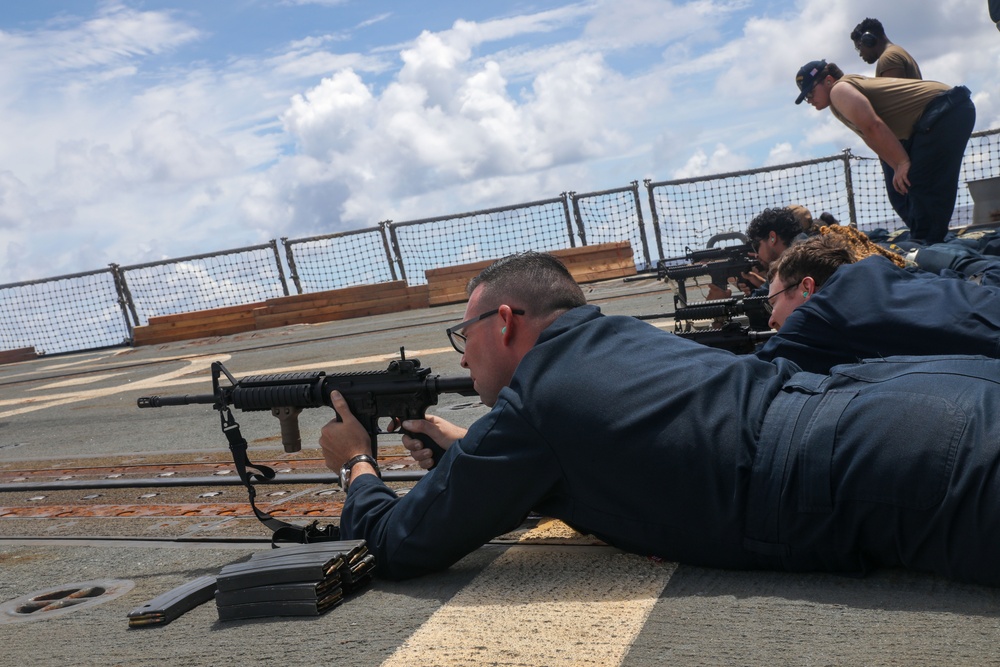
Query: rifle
(713,254)
(732,336)
(719,264)
(403,391)
(692,257)
(719,272)
(717,308)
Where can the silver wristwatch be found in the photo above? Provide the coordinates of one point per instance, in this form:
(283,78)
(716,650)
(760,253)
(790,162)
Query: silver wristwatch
(345,470)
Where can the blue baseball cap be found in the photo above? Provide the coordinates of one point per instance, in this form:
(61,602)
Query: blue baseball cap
(808,77)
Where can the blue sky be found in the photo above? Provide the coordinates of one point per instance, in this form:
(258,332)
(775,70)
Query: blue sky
(138,130)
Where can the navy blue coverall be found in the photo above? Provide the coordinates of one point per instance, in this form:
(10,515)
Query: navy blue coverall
(662,446)
(957,260)
(875,309)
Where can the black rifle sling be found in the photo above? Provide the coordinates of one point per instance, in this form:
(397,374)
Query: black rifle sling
(282,530)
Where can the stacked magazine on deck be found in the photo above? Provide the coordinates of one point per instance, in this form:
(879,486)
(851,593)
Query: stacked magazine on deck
(299,580)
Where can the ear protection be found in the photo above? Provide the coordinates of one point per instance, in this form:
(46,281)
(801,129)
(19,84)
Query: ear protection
(868,39)
(504,330)
(805,294)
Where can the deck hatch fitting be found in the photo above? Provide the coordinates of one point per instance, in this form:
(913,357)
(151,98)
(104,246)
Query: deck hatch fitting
(61,600)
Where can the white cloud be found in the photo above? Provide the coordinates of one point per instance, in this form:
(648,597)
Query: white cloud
(168,149)
(782,153)
(121,146)
(722,160)
(329,117)
(448,117)
(116,35)
(16,201)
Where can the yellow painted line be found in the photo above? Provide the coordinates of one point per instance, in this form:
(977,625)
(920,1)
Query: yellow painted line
(546,606)
(554,531)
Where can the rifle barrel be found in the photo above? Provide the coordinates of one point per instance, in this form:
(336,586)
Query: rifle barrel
(644,275)
(162,401)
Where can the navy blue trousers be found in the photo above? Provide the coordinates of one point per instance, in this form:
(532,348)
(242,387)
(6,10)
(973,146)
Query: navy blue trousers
(892,463)
(935,163)
(953,258)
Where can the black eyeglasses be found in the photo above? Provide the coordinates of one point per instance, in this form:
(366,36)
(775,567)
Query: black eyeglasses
(769,305)
(457,336)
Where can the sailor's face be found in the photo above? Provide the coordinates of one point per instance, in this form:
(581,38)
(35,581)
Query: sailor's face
(782,299)
(868,53)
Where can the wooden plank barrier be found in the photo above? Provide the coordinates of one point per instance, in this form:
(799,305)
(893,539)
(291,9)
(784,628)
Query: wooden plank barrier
(342,304)
(18,354)
(587,264)
(339,304)
(197,324)
(445,285)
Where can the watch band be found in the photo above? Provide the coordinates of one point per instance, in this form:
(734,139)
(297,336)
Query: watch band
(345,470)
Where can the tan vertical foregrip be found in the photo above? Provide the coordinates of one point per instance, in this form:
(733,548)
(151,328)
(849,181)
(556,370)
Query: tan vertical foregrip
(291,439)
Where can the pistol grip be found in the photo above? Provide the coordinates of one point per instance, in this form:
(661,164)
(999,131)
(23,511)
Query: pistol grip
(720,280)
(436,450)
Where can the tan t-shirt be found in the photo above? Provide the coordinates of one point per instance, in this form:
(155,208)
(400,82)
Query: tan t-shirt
(898,102)
(895,57)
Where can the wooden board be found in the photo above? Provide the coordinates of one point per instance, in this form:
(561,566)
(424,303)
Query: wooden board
(586,263)
(154,335)
(18,354)
(444,285)
(207,313)
(326,306)
(411,299)
(338,298)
